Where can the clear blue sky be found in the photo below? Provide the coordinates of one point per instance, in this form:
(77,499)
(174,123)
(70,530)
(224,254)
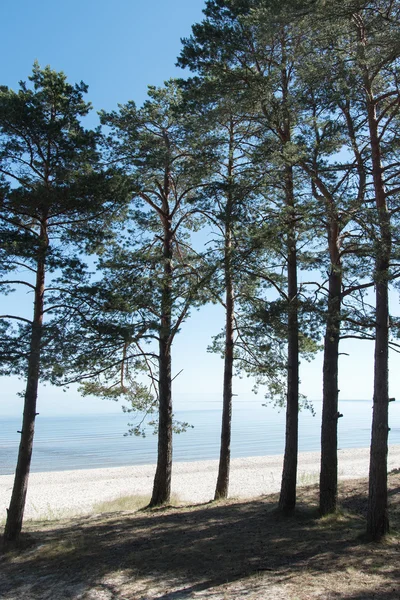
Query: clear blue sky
(118,49)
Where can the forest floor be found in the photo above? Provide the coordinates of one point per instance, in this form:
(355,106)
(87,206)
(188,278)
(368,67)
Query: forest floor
(244,550)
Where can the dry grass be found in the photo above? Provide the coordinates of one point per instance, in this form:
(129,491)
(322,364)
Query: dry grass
(128,503)
(219,551)
(122,503)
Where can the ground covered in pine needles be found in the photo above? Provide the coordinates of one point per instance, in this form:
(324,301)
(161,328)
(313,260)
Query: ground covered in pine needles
(242,550)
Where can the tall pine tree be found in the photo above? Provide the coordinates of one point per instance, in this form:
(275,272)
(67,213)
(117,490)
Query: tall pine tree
(53,203)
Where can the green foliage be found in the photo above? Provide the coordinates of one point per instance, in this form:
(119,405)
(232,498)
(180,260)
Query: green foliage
(151,276)
(56,203)
(276,87)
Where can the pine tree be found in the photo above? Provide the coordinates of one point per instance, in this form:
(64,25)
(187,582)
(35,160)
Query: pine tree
(364,39)
(252,46)
(379,72)
(338,194)
(54,194)
(229,201)
(157,147)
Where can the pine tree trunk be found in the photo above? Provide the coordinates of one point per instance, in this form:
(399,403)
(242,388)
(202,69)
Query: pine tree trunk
(330,413)
(287,500)
(377,517)
(222,486)
(221,490)
(162,480)
(15,512)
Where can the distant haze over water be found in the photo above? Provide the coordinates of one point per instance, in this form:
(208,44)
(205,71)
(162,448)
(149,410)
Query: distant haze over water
(97,441)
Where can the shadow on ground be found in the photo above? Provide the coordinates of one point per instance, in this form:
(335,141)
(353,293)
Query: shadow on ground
(240,550)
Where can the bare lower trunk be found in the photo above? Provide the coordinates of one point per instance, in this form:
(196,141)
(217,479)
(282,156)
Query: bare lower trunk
(377,516)
(221,489)
(330,413)
(15,512)
(287,500)
(162,480)
(222,486)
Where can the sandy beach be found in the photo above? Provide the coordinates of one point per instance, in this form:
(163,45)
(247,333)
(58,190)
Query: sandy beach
(68,493)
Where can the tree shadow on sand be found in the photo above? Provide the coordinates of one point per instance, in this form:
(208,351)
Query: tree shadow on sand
(199,551)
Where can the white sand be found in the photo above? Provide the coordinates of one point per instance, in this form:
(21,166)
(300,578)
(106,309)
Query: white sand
(67,493)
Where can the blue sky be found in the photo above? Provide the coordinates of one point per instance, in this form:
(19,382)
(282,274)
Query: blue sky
(118,49)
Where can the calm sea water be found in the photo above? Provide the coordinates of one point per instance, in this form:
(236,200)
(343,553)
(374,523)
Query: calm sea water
(97,441)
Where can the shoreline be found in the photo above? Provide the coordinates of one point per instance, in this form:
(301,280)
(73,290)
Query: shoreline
(57,494)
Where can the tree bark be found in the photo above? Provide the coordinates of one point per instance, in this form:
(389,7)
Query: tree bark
(222,486)
(377,516)
(15,512)
(162,480)
(330,413)
(287,499)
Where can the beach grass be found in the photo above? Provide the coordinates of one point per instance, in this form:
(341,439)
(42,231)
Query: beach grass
(128,503)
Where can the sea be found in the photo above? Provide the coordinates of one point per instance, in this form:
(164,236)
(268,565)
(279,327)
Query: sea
(101,440)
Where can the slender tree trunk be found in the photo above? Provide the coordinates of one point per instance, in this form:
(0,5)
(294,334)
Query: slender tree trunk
(377,517)
(15,512)
(287,500)
(221,490)
(330,413)
(162,480)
